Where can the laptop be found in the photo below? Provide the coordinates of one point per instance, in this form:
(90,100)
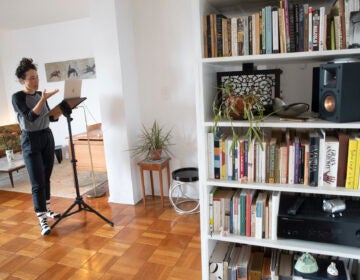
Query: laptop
(72,88)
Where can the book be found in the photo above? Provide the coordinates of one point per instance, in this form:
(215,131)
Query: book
(351,163)
(211,209)
(285,266)
(234,36)
(210,155)
(315,28)
(342,158)
(217,157)
(243,212)
(322,157)
(331,161)
(310,29)
(260,215)
(243,263)
(250,194)
(241,35)
(357,166)
(268,29)
(216,262)
(274,213)
(256,264)
(314,142)
(221,206)
(265,273)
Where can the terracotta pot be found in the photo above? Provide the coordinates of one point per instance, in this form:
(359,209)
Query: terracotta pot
(155,155)
(237,105)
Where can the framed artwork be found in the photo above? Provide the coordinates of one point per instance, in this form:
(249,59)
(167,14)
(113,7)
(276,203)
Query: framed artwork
(265,84)
(70,69)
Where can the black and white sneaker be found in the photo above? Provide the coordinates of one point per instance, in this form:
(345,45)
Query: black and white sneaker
(45,229)
(52,214)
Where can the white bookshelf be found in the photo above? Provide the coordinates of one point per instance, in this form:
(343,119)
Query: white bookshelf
(296,71)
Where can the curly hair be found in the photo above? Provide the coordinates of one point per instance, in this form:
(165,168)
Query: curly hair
(25,65)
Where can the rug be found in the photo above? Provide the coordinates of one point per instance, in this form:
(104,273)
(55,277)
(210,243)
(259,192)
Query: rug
(62,182)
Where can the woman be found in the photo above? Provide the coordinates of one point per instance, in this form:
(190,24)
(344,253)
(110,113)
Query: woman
(37,141)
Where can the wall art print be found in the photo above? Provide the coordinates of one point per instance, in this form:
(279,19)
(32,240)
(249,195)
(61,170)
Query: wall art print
(70,69)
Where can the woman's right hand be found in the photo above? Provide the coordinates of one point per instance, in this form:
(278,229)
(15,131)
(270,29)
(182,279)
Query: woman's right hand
(45,95)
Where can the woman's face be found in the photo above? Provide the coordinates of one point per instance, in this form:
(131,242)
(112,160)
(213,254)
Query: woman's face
(31,81)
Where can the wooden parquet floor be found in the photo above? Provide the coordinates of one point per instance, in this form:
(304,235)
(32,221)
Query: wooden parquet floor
(145,243)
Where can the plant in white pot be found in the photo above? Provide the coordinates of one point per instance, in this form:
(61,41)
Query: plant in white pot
(153,142)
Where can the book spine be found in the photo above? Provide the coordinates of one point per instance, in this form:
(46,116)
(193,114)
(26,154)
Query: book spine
(322,30)
(287,25)
(268,29)
(240,36)
(351,163)
(234,36)
(306,164)
(310,29)
(291,168)
(246,148)
(301,28)
(249,198)
(296,26)
(357,166)
(210,150)
(316,27)
(314,161)
(243,214)
(222,159)
(275,30)
(331,163)
(217,163)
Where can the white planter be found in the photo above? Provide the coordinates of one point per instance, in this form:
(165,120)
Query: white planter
(9,155)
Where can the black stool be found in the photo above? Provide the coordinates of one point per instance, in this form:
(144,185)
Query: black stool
(58,153)
(185,179)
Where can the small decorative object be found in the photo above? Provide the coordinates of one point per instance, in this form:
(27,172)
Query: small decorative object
(332,270)
(10,141)
(292,110)
(306,264)
(333,205)
(153,142)
(9,155)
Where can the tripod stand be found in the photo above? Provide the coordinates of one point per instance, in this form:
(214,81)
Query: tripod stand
(66,107)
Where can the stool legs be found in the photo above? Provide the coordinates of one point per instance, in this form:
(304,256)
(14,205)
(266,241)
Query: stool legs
(152,184)
(143,185)
(161,187)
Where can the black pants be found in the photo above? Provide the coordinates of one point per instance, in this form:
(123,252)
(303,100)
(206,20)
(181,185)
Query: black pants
(38,152)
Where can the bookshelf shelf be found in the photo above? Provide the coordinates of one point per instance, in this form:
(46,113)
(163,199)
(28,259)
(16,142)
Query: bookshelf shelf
(321,190)
(319,56)
(296,86)
(276,122)
(293,245)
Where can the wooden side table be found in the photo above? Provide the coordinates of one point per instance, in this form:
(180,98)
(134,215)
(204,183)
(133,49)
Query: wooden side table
(157,165)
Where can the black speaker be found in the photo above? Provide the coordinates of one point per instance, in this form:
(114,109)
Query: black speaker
(339,95)
(315,90)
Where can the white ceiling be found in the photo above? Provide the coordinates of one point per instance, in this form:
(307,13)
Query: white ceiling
(18,14)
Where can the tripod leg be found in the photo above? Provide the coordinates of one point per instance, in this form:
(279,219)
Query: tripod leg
(88,208)
(65,214)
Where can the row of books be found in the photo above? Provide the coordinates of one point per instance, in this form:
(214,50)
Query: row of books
(291,27)
(231,261)
(243,212)
(314,158)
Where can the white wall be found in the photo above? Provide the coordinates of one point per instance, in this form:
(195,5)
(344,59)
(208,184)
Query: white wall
(146,70)
(166,61)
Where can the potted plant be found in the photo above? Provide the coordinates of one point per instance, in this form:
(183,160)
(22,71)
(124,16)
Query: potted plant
(10,141)
(153,142)
(246,106)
